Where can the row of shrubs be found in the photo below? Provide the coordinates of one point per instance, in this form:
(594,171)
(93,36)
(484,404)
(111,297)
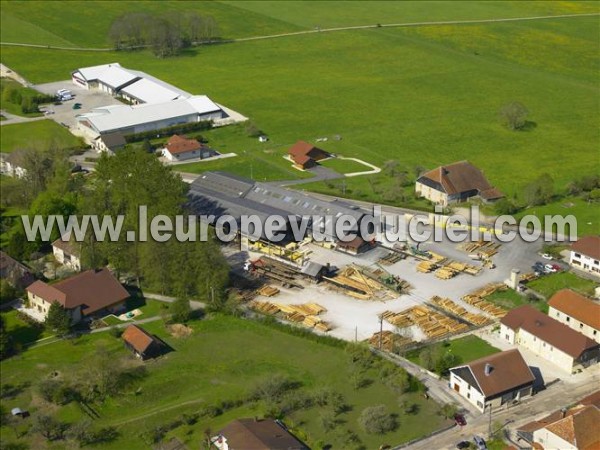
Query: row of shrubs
(168,131)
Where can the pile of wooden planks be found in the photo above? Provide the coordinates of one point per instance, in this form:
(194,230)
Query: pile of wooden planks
(489,289)
(528,277)
(484,305)
(426,266)
(390,341)
(358,283)
(454,308)
(391,258)
(264,307)
(445,273)
(483,248)
(305,313)
(432,323)
(268,291)
(436,258)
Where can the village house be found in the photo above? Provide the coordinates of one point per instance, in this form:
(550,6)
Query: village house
(67,252)
(13,164)
(83,295)
(577,312)
(141,343)
(494,380)
(585,255)
(305,155)
(548,338)
(254,434)
(180,148)
(110,143)
(17,274)
(454,183)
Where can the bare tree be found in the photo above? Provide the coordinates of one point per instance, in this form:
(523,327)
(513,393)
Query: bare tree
(514,115)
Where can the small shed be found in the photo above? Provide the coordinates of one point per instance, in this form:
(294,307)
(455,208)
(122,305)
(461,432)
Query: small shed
(354,246)
(314,271)
(141,343)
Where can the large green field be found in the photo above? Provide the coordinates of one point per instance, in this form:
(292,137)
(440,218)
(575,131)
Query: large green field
(424,95)
(39,134)
(548,285)
(221,361)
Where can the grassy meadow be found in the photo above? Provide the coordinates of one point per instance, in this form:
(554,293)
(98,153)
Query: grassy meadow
(219,362)
(38,134)
(550,284)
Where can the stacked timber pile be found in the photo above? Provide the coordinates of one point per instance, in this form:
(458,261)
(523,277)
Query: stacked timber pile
(445,273)
(528,277)
(483,248)
(391,258)
(390,341)
(305,314)
(268,291)
(489,289)
(275,271)
(454,308)
(436,259)
(477,299)
(358,283)
(453,268)
(432,323)
(426,266)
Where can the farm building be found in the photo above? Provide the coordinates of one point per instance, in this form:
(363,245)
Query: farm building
(254,434)
(585,255)
(455,183)
(17,274)
(220,193)
(577,312)
(305,155)
(67,252)
(547,337)
(180,148)
(141,343)
(111,143)
(128,119)
(571,428)
(85,294)
(353,246)
(494,380)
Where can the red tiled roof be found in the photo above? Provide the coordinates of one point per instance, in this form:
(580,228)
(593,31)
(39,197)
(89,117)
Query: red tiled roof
(577,306)
(302,151)
(509,370)
(92,290)
(138,338)
(588,245)
(548,330)
(180,144)
(267,434)
(580,429)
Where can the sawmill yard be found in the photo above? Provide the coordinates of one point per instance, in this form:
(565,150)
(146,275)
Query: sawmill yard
(423,95)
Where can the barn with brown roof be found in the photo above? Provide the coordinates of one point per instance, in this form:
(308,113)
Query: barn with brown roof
(585,255)
(456,182)
(253,434)
(493,380)
(141,343)
(547,337)
(580,313)
(305,155)
(88,293)
(16,273)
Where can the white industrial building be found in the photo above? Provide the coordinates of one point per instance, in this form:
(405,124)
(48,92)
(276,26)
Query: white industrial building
(154,103)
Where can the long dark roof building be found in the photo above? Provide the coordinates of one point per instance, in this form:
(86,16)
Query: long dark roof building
(220,193)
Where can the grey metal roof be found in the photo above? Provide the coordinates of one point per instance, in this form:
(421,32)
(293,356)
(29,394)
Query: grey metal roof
(312,269)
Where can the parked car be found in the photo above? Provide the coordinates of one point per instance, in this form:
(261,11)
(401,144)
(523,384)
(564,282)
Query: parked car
(549,268)
(480,443)
(557,267)
(547,256)
(538,267)
(463,444)
(460,420)
(76,105)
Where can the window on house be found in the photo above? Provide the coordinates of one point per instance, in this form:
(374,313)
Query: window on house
(580,325)
(595,332)
(568,319)
(468,395)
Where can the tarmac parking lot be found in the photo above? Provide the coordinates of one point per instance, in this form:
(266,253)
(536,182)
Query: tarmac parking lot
(64,113)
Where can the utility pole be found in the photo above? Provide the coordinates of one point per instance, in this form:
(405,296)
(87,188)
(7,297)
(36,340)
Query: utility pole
(356,333)
(490,423)
(380,331)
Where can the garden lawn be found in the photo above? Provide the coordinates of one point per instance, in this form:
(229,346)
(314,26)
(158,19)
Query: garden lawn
(468,348)
(509,299)
(220,362)
(39,134)
(345,166)
(20,331)
(548,285)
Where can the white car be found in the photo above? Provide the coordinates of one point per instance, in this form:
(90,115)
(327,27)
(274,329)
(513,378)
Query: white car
(549,268)
(547,256)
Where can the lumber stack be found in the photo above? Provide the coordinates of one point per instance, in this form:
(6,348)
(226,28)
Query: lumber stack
(485,249)
(426,266)
(436,258)
(454,308)
(264,307)
(432,323)
(445,273)
(360,283)
(389,341)
(268,291)
(528,277)
(484,305)
(391,258)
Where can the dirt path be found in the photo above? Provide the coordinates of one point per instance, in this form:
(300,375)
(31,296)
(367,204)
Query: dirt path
(324,30)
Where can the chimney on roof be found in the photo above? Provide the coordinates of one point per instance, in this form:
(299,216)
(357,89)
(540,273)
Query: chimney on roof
(563,412)
(488,369)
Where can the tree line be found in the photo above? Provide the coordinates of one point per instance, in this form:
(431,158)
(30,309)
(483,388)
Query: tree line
(166,34)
